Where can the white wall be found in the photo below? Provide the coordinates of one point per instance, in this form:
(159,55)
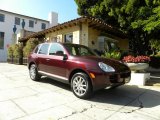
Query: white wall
(7,29)
(8,24)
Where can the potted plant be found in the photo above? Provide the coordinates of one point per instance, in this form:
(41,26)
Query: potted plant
(138,63)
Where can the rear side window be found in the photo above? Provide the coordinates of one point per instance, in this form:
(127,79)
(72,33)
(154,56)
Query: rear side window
(43,49)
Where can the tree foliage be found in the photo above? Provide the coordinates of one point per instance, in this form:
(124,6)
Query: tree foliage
(140,19)
(30,45)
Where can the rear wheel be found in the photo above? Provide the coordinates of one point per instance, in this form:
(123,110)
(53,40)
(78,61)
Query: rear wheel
(81,85)
(34,73)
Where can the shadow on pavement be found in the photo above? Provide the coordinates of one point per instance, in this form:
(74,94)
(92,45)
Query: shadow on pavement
(129,95)
(55,83)
(125,95)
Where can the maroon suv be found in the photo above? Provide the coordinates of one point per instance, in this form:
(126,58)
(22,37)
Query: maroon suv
(78,66)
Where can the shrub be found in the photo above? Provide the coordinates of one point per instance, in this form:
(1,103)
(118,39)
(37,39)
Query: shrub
(112,54)
(30,45)
(18,51)
(155,46)
(10,51)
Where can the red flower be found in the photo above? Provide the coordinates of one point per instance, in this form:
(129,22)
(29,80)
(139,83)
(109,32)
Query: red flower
(138,59)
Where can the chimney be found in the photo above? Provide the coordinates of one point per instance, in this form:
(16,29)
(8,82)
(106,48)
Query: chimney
(53,19)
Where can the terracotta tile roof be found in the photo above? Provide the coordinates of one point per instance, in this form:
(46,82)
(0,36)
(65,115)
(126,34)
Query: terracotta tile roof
(92,22)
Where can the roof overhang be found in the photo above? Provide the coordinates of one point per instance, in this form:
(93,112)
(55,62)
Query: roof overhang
(92,22)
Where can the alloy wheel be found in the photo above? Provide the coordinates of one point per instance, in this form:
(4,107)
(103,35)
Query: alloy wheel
(80,85)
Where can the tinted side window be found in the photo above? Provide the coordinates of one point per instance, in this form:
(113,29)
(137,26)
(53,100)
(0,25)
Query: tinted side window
(56,49)
(44,49)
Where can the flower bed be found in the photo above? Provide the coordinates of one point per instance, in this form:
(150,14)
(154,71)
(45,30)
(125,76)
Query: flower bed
(137,63)
(137,59)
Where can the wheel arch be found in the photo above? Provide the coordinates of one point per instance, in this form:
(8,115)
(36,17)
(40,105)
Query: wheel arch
(77,71)
(29,65)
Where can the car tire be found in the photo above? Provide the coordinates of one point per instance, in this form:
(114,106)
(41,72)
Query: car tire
(81,85)
(34,73)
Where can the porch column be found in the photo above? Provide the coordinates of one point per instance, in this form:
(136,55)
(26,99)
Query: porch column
(84,34)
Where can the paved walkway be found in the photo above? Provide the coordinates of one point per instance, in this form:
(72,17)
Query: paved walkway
(24,99)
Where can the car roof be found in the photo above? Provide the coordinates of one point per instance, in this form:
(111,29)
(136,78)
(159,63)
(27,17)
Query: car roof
(63,43)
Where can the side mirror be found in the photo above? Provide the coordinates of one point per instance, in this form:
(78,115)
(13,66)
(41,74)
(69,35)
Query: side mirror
(65,57)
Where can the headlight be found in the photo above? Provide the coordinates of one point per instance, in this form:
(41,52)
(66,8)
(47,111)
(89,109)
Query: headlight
(106,68)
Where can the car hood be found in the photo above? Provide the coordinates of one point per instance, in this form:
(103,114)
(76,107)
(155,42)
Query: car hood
(117,65)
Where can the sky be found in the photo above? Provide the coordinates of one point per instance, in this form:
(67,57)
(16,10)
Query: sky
(66,9)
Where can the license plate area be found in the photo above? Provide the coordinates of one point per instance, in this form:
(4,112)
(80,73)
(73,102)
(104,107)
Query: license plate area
(118,78)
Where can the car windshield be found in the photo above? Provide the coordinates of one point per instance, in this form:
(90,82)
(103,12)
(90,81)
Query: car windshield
(79,50)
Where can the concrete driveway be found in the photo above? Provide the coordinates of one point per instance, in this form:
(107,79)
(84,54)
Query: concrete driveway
(23,99)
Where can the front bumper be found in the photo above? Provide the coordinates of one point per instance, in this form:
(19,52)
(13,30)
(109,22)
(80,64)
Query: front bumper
(103,80)
(120,77)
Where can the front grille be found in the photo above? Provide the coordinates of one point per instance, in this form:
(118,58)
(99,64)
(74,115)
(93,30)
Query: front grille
(116,77)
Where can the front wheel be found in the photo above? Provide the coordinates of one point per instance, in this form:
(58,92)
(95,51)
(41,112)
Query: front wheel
(34,73)
(81,85)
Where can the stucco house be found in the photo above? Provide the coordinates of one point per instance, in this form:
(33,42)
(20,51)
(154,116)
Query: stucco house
(11,24)
(87,31)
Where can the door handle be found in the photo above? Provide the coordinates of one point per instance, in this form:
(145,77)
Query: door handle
(47,59)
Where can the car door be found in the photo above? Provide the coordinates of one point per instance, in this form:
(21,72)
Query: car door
(42,58)
(56,64)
